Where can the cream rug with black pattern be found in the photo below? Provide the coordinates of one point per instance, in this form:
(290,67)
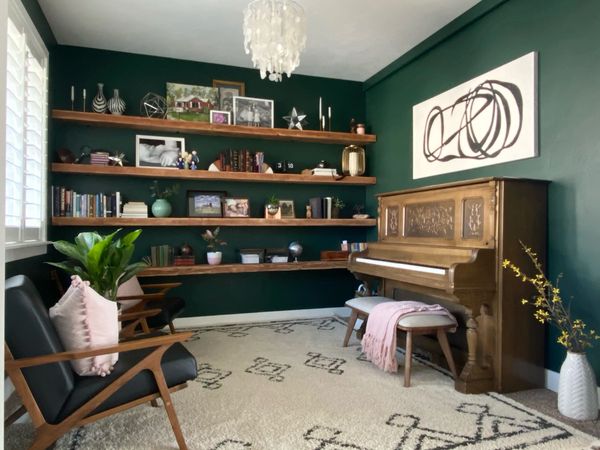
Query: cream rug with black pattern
(291,385)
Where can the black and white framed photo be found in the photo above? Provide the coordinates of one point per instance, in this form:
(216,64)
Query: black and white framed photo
(228,90)
(287,209)
(157,151)
(236,207)
(253,112)
(220,117)
(205,203)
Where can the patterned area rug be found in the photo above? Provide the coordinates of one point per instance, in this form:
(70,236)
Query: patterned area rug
(291,385)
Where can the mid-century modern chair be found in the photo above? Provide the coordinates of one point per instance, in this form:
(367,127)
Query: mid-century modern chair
(56,398)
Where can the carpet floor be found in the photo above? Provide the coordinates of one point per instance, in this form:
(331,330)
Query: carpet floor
(291,385)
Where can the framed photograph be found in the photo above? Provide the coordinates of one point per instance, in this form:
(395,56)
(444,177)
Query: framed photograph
(253,112)
(236,207)
(189,102)
(287,209)
(157,151)
(228,90)
(220,117)
(205,203)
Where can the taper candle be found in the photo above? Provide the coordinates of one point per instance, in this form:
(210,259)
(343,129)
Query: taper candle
(72,93)
(329,116)
(84,100)
(320,110)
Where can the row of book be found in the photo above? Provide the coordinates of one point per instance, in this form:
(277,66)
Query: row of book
(135,210)
(241,161)
(164,255)
(69,203)
(321,207)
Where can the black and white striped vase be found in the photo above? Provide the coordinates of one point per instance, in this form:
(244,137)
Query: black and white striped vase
(116,105)
(99,101)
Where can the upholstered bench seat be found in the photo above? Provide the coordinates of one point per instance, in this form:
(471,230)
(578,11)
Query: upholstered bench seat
(412,324)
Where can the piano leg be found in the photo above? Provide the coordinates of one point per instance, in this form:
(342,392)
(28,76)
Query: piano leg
(477,375)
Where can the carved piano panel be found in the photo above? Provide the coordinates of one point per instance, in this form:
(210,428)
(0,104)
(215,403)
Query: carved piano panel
(463,217)
(445,244)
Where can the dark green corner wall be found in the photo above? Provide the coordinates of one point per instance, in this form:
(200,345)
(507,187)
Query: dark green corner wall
(565,35)
(134,76)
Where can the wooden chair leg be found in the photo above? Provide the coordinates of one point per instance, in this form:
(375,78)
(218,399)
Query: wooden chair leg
(172,327)
(408,359)
(350,329)
(166,397)
(15,416)
(443,340)
(154,403)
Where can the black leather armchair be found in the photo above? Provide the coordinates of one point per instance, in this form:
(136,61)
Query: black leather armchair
(56,398)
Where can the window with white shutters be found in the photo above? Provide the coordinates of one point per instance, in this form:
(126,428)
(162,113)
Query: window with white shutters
(26,129)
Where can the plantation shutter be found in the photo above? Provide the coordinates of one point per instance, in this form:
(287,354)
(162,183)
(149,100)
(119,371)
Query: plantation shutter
(26,129)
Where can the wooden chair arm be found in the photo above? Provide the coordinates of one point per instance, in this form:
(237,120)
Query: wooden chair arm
(153,296)
(156,341)
(138,314)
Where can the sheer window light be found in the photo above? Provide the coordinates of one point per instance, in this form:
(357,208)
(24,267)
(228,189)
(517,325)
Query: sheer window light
(26,141)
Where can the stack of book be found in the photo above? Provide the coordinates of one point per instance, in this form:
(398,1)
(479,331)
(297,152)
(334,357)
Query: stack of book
(182,260)
(68,203)
(241,161)
(135,210)
(358,246)
(99,158)
(323,171)
(162,255)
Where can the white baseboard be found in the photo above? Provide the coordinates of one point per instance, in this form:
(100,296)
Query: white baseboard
(552,381)
(229,319)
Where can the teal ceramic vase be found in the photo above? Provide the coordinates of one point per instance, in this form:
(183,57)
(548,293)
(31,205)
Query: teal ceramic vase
(161,208)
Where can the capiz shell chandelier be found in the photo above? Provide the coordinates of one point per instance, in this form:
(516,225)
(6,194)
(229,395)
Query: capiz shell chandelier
(275,34)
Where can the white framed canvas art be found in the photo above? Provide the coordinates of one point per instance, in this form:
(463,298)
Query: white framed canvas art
(490,119)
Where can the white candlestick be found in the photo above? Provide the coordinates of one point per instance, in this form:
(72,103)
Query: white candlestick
(329,116)
(72,93)
(84,100)
(320,109)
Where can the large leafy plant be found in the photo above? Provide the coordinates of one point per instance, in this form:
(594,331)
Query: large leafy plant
(104,261)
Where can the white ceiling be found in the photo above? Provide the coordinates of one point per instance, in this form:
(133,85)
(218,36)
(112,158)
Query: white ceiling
(346,39)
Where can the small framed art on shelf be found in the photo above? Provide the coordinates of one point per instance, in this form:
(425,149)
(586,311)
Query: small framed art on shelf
(236,207)
(205,203)
(287,209)
(157,151)
(220,117)
(228,90)
(253,112)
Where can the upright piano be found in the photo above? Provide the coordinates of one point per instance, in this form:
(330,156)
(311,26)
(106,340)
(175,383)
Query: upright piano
(445,244)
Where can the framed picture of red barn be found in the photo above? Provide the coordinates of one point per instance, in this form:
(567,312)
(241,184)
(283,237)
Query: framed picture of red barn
(189,102)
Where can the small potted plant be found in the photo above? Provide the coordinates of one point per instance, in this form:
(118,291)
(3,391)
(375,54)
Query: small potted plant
(359,212)
(161,206)
(337,205)
(272,205)
(213,243)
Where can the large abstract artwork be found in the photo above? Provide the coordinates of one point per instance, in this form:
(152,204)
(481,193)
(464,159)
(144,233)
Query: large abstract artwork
(490,119)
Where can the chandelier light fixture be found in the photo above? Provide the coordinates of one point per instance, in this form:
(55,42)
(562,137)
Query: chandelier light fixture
(275,34)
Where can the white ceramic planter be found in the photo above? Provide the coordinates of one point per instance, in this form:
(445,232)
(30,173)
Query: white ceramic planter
(214,258)
(577,391)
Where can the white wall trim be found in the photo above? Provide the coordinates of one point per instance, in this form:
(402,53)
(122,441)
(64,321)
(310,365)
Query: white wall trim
(551,380)
(229,319)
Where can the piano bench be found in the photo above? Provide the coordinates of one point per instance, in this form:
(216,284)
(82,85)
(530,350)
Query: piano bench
(414,324)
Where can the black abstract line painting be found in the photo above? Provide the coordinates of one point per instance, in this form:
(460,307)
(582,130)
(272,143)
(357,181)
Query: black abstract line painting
(491,118)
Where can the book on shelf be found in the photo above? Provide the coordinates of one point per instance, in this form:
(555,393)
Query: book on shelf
(99,158)
(69,203)
(325,171)
(135,210)
(181,260)
(162,255)
(232,160)
(321,207)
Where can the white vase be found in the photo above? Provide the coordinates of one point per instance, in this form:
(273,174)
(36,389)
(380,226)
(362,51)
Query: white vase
(577,391)
(214,258)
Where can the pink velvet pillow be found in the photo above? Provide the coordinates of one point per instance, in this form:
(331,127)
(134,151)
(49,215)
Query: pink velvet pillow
(130,287)
(84,319)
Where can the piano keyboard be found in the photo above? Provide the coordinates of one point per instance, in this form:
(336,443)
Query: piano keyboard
(397,265)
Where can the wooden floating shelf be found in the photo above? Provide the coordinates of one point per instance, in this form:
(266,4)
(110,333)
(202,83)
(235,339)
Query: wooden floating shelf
(210,222)
(151,172)
(209,129)
(206,269)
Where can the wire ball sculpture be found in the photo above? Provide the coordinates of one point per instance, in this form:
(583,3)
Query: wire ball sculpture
(153,105)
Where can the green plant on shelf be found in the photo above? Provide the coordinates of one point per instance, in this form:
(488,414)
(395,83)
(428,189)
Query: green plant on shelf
(211,237)
(338,203)
(157,192)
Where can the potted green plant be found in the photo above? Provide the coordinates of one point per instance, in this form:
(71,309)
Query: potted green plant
(577,395)
(213,244)
(104,261)
(161,206)
(359,212)
(337,205)
(272,205)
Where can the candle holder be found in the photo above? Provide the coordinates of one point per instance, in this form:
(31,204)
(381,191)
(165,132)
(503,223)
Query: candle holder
(353,161)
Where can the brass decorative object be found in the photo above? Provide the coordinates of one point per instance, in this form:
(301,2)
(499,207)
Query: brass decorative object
(353,160)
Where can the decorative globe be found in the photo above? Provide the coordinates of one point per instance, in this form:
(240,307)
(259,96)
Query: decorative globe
(153,105)
(295,250)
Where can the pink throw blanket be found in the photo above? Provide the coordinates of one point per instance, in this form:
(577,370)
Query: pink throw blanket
(379,341)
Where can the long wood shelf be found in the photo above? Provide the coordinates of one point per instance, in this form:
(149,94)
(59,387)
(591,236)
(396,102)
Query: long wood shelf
(237,131)
(206,269)
(151,172)
(211,221)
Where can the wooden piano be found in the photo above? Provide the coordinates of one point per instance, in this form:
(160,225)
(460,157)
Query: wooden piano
(445,244)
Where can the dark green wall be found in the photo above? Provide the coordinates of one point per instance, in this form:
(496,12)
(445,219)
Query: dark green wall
(565,35)
(134,76)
